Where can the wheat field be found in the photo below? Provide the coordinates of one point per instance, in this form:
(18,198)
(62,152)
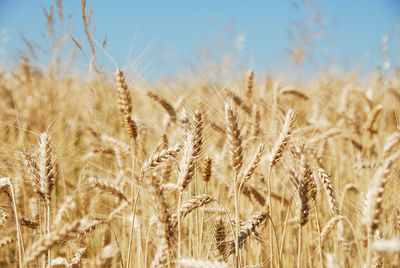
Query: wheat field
(107,171)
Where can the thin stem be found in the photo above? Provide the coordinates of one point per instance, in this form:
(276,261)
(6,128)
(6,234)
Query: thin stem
(284,231)
(179,225)
(198,227)
(48,230)
(147,243)
(134,200)
(269,206)
(299,247)
(276,239)
(319,235)
(139,246)
(21,252)
(44,228)
(116,240)
(237,221)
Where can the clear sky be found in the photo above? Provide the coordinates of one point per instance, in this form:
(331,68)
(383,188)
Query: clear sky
(161,37)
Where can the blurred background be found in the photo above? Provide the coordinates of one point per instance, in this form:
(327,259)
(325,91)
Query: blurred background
(160,39)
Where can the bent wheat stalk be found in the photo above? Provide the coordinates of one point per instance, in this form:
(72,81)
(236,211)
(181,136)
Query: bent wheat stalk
(4,182)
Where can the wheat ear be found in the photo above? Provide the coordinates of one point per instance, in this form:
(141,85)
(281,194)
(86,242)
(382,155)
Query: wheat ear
(122,146)
(254,163)
(305,190)
(372,118)
(50,240)
(234,138)
(390,143)
(374,198)
(187,163)
(125,104)
(164,103)
(378,256)
(249,84)
(292,91)
(329,227)
(239,102)
(198,132)
(207,169)
(162,156)
(47,168)
(108,187)
(163,215)
(220,236)
(189,206)
(329,189)
(247,230)
(282,142)
(161,258)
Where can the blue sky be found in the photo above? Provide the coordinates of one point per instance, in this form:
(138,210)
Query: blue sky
(161,37)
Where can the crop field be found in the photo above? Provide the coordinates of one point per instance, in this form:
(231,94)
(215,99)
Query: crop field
(106,171)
